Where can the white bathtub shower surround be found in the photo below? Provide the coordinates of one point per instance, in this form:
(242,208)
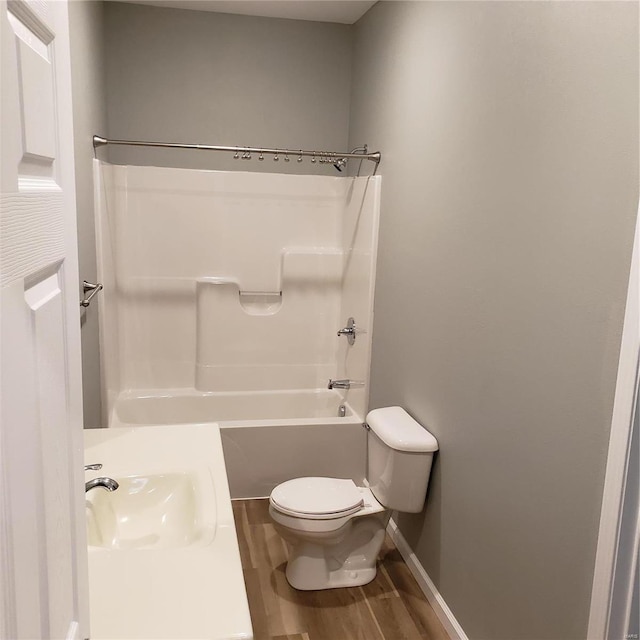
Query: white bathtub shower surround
(360,245)
(223,282)
(108,306)
(163,553)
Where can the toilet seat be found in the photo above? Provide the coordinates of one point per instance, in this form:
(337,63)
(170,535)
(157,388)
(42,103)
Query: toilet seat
(317,498)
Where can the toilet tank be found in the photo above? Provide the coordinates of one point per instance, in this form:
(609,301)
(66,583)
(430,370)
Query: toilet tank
(400,453)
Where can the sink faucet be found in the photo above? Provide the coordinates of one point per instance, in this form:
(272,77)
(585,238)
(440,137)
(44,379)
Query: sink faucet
(106,483)
(344,384)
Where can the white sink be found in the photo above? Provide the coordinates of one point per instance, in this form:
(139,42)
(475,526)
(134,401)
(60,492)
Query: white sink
(157,511)
(163,553)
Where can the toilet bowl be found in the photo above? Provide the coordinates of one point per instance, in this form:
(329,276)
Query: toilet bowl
(332,542)
(334,529)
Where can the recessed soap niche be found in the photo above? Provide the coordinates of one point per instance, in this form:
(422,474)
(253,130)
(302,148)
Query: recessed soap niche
(255,303)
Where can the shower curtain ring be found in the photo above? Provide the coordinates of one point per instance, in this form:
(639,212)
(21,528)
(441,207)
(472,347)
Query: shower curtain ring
(276,157)
(236,155)
(300,156)
(261,156)
(286,157)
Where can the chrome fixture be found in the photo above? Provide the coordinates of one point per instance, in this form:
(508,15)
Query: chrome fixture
(349,331)
(341,163)
(86,288)
(106,483)
(344,384)
(342,411)
(337,158)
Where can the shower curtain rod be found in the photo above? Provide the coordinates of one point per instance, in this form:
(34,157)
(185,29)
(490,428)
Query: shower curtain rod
(245,152)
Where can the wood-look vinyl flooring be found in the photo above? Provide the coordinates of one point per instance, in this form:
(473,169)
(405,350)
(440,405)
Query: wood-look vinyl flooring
(392,607)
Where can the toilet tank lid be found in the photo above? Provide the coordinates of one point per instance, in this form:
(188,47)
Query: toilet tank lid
(398,430)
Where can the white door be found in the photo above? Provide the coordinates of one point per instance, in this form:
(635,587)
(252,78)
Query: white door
(43,557)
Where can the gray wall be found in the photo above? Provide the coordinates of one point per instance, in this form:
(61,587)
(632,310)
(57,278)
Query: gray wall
(89,117)
(192,76)
(509,133)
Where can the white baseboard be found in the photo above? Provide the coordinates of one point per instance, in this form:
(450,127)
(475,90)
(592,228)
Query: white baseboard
(445,615)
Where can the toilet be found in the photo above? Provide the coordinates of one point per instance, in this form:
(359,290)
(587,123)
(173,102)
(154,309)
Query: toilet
(335,529)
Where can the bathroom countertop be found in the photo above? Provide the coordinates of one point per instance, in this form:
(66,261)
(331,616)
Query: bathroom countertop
(190,592)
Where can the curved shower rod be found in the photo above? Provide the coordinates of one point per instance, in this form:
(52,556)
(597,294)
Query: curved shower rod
(334,157)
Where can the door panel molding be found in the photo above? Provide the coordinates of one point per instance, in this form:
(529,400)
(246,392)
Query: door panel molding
(618,456)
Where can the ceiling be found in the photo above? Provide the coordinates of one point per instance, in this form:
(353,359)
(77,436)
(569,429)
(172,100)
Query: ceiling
(342,11)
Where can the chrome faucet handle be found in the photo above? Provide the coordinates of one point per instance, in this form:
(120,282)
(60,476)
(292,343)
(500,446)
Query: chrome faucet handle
(349,331)
(92,467)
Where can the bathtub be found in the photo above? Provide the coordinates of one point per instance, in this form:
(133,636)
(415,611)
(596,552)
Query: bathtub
(179,406)
(267,436)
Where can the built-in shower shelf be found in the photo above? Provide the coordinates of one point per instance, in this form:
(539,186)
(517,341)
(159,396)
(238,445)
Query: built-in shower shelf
(260,303)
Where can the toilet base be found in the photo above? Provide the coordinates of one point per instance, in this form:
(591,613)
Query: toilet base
(344,558)
(299,578)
